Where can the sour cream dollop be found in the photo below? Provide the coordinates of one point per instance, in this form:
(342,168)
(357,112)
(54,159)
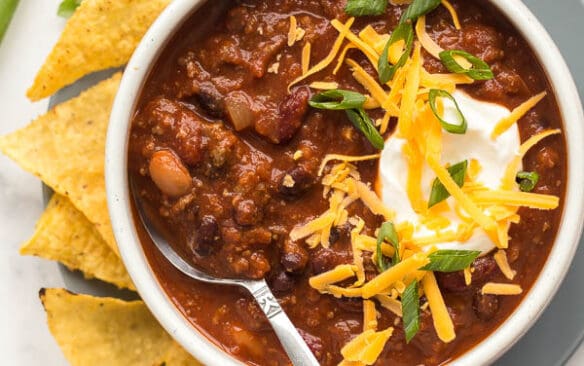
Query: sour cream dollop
(476,143)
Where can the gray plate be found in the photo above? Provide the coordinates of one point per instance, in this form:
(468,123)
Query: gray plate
(560,330)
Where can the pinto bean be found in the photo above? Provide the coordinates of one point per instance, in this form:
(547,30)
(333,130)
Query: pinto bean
(169,173)
(294,257)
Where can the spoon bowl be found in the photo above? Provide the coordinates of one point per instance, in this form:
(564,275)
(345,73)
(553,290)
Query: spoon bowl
(295,347)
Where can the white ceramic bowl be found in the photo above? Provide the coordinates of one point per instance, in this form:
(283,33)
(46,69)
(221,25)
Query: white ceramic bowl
(173,321)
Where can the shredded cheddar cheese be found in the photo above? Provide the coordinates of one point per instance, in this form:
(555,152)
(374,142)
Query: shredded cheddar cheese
(501,260)
(345,29)
(395,273)
(517,113)
(390,304)
(452,12)
(440,316)
(492,288)
(513,198)
(324,85)
(367,346)
(337,274)
(306,57)
(369,315)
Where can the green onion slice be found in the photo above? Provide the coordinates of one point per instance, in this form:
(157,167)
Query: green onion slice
(439,192)
(410,301)
(387,233)
(418,8)
(359,8)
(363,123)
(7,8)
(527,180)
(337,99)
(458,128)
(450,260)
(68,7)
(480,70)
(404,32)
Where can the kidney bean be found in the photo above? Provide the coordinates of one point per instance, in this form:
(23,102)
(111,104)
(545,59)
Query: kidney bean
(485,306)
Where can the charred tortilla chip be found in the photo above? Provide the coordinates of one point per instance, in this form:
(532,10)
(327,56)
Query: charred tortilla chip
(101,34)
(64,234)
(66,149)
(104,331)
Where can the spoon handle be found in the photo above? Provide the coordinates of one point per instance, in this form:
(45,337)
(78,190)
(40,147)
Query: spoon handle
(293,343)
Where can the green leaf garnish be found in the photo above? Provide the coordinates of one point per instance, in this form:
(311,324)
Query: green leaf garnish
(458,128)
(480,70)
(7,8)
(527,180)
(67,8)
(418,8)
(359,8)
(337,99)
(388,234)
(439,192)
(410,301)
(363,123)
(450,260)
(404,32)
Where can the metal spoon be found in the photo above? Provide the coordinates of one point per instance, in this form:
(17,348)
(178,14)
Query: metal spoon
(293,344)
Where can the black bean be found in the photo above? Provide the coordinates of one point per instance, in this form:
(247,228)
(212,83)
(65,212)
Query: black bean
(485,306)
(296,181)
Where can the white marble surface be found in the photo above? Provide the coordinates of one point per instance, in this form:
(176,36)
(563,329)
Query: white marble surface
(24,338)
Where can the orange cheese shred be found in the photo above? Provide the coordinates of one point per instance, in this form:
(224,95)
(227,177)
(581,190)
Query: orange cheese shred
(440,316)
(504,124)
(452,12)
(344,30)
(306,57)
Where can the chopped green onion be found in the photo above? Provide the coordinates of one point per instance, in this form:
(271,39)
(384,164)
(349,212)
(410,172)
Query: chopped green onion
(527,180)
(387,233)
(458,128)
(439,192)
(418,8)
(480,70)
(363,123)
(352,103)
(7,9)
(404,32)
(410,301)
(450,260)
(359,8)
(337,99)
(68,7)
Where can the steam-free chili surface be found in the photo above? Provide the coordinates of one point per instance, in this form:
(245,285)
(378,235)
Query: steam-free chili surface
(230,210)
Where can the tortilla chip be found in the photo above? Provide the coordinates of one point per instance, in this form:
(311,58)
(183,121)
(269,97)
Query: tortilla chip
(101,34)
(64,234)
(177,356)
(66,149)
(104,331)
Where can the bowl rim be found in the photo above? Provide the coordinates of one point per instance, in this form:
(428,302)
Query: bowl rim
(195,342)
